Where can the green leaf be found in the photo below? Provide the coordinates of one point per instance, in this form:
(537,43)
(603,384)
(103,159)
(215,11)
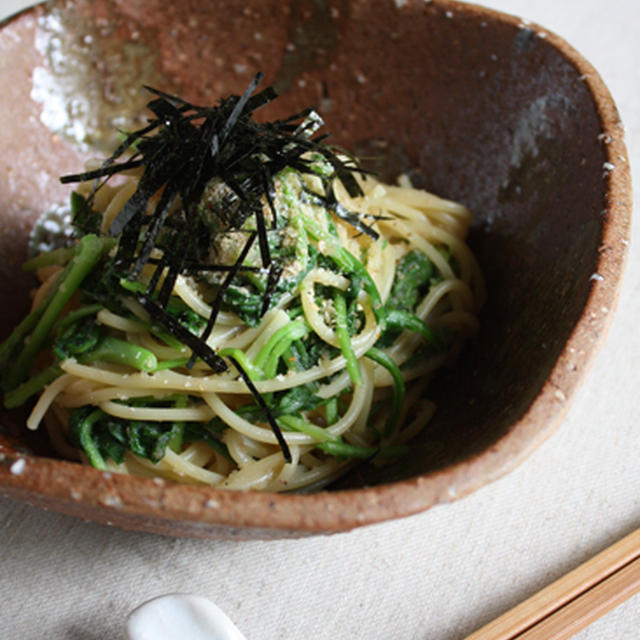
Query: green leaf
(76,338)
(149,439)
(413,272)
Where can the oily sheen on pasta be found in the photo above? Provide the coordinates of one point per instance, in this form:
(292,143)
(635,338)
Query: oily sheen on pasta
(255,312)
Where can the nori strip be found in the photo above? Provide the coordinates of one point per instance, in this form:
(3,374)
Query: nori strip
(173,326)
(265,254)
(237,110)
(263,405)
(275,271)
(102,172)
(190,267)
(155,278)
(171,97)
(215,305)
(195,267)
(269,191)
(330,202)
(175,262)
(159,216)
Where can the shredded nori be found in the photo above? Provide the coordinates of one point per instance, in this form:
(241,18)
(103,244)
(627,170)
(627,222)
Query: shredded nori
(267,412)
(158,314)
(225,285)
(330,202)
(183,149)
(275,271)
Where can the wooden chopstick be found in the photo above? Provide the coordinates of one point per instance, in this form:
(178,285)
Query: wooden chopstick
(574,601)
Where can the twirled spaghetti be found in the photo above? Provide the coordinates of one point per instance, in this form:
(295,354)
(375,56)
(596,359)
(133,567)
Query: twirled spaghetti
(235,370)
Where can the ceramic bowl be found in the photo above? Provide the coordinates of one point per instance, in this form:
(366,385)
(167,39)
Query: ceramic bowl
(482,108)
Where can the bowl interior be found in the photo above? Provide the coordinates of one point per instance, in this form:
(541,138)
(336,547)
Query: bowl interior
(475,106)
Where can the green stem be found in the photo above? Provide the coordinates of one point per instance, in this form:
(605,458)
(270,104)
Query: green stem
(388,363)
(295,331)
(76,314)
(110,349)
(30,387)
(88,252)
(303,358)
(293,423)
(253,372)
(331,225)
(134,286)
(86,441)
(331,411)
(165,337)
(350,263)
(172,364)
(344,339)
(344,450)
(57,256)
(296,218)
(287,334)
(255,280)
(291,358)
(20,333)
(403,320)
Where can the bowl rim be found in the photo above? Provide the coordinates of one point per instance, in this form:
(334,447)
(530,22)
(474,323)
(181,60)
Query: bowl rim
(159,506)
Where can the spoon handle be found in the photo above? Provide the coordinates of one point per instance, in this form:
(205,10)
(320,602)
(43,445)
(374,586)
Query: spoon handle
(179,616)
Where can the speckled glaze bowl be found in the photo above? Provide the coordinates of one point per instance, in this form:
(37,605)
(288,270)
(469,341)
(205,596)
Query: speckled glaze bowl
(482,108)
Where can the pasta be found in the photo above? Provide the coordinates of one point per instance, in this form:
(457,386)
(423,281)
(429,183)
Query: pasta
(215,365)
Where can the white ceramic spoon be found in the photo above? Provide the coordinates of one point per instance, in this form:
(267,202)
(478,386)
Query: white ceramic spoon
(180,616)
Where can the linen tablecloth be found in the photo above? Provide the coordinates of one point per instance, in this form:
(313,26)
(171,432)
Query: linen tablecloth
(434,576)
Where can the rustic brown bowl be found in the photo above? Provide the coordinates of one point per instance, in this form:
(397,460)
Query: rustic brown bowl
(500,115)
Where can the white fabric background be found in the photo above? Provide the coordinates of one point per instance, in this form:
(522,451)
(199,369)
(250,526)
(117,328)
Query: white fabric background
(435,576)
